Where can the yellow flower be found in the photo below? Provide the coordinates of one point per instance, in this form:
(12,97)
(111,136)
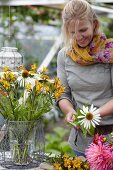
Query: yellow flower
(57,165)
(77,162)
(33,68)
(58,92)
(44,70)
(71,163)
(69,167)
(47,89)
(38,86)
(57,83)
(60,168)
(86,166)
(5,84)
(9,76)
(61,89)
(6,68)
(29,87)
(67,162)
(65,156)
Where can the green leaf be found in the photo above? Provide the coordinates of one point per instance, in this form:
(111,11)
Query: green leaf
(61,132)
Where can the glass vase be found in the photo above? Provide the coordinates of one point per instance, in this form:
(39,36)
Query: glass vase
(22,141)
(22,144)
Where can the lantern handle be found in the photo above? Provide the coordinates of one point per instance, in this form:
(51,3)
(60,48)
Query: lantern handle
(8,39)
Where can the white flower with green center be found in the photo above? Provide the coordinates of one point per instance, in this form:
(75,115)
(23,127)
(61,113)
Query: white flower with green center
(89,117)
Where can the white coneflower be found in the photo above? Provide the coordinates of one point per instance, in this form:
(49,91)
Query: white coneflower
(89,117)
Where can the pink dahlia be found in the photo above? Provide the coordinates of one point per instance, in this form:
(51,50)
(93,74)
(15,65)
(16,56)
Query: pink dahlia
(98,138)
(100,156)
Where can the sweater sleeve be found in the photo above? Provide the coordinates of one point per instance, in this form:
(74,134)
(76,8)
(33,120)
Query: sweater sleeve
(61,74)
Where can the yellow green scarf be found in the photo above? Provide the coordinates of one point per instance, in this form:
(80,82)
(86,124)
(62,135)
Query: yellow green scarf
(100,50)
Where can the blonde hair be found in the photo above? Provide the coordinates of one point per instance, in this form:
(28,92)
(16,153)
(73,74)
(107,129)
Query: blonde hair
(77,10)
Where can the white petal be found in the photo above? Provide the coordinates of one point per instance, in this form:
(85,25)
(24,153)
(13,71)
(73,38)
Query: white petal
(81,121)
(97,119)
(82,112)
(85,109)
(93,124)
(87,124)
(91,108)
(97,115)
(97,123)
(96,111)
(81,116)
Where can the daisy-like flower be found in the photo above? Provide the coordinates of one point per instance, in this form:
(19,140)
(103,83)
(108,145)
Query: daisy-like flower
(89,117)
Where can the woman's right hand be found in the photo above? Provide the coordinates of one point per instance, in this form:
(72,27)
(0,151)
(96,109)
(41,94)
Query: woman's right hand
(68,110)
(70,118)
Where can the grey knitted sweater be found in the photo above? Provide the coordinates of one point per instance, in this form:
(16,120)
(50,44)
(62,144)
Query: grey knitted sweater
(92,84)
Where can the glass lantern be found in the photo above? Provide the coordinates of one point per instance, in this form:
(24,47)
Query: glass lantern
(9,56)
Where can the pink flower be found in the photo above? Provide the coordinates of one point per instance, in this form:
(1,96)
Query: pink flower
(100,156)
(98,138)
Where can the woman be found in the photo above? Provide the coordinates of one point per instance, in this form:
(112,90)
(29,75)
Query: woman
(85,68)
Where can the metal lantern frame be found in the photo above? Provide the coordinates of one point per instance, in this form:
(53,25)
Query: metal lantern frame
(9,56)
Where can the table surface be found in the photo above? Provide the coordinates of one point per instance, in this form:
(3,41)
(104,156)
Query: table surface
(8,156)
(1,168)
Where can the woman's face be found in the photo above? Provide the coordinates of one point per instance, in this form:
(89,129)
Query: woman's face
(82,31)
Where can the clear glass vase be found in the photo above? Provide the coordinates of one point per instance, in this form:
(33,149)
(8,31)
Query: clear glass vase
(23,141)
(22,144)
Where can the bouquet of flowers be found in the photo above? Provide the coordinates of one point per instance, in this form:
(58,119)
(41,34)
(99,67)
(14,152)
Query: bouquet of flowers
(27,95)
(66,162)
(100,153)
(87,119)
(24,97)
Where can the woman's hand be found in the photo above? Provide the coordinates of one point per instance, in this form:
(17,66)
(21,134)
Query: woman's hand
(70,117)
(68,109)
